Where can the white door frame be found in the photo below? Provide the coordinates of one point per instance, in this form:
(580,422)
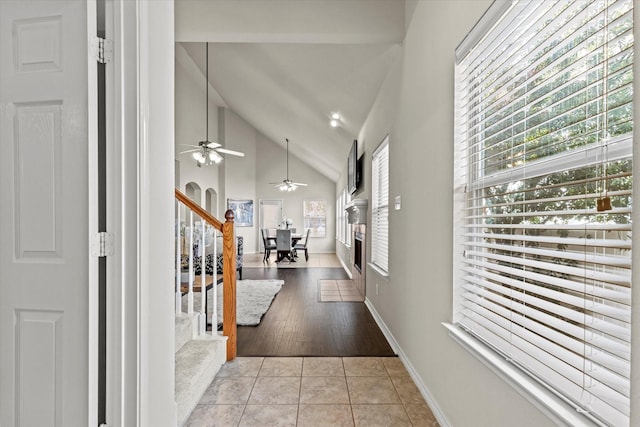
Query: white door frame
(261,219)
(140,316)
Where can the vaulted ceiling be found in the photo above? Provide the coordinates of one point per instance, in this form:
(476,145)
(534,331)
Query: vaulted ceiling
(285,65)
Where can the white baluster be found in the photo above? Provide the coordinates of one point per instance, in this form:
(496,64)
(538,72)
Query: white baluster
(214,315)
(202,323)
(191,275)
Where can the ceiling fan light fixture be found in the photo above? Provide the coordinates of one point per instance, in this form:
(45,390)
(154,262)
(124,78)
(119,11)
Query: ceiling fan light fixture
(334,123)
(207,152)
(287,184)
(215,157)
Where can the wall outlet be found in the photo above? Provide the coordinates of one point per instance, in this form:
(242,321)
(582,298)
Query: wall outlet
(376,289)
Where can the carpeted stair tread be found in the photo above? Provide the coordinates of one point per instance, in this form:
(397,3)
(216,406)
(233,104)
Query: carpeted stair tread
(184,330)
(197,363)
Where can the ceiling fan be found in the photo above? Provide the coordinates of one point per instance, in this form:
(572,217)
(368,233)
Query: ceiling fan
(207,152)
(287,184)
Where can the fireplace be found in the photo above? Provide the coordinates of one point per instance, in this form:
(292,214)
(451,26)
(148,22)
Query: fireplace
(357,255)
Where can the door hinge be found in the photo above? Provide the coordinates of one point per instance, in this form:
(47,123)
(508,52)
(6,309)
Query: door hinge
(102,49)
(102,244)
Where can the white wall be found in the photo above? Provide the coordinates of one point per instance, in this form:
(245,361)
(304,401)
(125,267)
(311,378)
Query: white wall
(245,177)
(271,166)
(190,128)
(240,172)
(415,106)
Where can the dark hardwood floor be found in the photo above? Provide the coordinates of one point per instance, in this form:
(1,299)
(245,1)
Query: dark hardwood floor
(297,324)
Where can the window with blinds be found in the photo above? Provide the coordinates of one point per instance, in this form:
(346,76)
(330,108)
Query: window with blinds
(543,175)
(343,232)
(380,206)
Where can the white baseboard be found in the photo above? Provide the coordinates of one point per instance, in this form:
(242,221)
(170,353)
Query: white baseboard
(346,269)
(426,394)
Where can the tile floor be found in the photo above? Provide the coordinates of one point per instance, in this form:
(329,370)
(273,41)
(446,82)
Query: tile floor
(312,391)
(339,290)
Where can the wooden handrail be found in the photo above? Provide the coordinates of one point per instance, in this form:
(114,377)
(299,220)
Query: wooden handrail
(198,210)
(229,321)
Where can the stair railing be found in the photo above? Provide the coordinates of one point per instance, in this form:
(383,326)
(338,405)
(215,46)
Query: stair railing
(226,229)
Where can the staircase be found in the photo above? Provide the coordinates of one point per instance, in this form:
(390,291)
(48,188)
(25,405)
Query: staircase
(198,359)
(199,353)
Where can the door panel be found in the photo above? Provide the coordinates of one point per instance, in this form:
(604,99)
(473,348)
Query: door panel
(44,249)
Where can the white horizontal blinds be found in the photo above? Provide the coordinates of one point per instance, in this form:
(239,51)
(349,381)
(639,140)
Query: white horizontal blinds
(380,206)
(340,219)
(544,129)
(347,229)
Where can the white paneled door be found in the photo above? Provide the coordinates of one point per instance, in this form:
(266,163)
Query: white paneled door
(44,213)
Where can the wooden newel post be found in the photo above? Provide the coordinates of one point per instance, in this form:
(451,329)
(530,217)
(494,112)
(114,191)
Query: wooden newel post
(229,326)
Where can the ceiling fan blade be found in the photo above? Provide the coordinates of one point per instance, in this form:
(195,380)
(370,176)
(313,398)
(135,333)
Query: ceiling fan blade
(189,151)
(299,184)
(231,152)
(189,145)
(211,144)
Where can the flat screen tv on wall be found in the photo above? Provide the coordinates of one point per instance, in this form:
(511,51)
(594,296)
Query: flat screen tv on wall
(353,178)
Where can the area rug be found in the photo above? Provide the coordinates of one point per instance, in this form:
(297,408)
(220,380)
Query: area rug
(253,299)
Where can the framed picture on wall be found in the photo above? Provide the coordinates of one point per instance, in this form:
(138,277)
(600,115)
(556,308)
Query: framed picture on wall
(315,217)
(243,211)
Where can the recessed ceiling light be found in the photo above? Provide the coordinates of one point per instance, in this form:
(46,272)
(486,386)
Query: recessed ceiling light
(335,116)
(333,123)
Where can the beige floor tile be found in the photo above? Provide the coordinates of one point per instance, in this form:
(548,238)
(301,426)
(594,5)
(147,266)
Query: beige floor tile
(269,415)
(275,391)
(395,367)
(353,291)
(330,298)
(228,390)
(281,367)
(421,416)
(322,367)
(328,284)
(325,415)
(344,282)
(320,390)
(215,415)
(326,292)
(352,298)
(241,367)
(380,416)
(372,390)
(407,390)
(364,367)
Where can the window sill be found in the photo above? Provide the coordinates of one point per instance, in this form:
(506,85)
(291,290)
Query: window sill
(560,411)
(378,270)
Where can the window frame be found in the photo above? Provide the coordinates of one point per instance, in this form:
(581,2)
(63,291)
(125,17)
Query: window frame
(380,206)
(551,402)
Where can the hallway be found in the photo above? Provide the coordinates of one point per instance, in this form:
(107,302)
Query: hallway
(312,391)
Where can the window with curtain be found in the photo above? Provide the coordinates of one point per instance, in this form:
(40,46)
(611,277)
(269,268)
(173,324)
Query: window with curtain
(380,206)
(543,191)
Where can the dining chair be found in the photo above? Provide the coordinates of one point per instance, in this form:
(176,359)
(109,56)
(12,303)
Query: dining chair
(283,244)
(269,244)
(303,246)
